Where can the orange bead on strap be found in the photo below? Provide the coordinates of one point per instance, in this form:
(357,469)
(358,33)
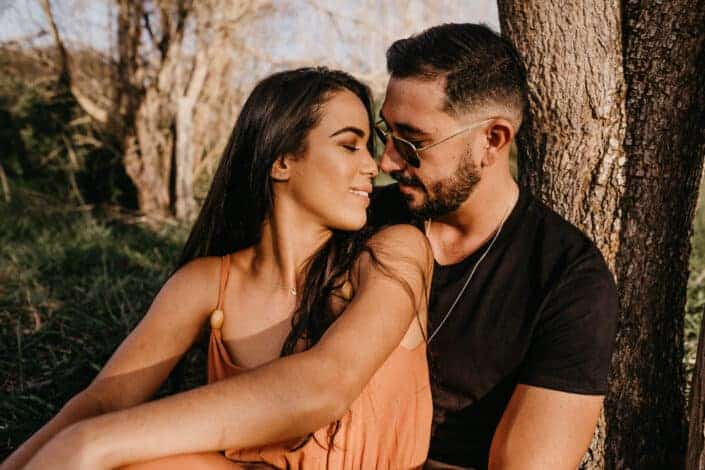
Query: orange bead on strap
(217,318)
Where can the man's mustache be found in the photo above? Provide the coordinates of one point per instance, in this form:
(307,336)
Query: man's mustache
(407,180)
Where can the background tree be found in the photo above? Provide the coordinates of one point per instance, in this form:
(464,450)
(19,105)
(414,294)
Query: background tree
(616,145)
(167,50)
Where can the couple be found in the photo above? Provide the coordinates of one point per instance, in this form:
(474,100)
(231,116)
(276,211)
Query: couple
(333,324)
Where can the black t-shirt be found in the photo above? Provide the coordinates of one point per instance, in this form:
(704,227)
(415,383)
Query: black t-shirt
(540,310)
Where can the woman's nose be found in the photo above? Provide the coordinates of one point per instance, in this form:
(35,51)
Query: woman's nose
(370,167)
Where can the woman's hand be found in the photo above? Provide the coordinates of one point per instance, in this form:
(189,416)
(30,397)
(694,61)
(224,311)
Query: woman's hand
(69,450)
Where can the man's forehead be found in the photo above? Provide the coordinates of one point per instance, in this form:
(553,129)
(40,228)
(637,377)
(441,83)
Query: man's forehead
(420,100)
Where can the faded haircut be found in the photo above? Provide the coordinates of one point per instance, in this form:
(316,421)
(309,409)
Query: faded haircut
(480,67)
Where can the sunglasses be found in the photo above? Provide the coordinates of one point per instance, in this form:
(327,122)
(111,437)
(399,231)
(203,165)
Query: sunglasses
(407,150)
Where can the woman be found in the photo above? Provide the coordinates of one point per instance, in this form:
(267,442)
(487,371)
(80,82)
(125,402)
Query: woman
(280,265)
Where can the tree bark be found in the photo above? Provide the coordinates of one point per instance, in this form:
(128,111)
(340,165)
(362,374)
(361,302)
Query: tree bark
(571,153)
(664,46)
(145,109)
(633,189)
(664,50)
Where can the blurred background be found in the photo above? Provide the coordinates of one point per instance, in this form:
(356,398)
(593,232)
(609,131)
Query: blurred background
(113,114)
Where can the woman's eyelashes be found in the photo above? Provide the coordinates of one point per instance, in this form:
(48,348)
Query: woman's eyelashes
(350,147)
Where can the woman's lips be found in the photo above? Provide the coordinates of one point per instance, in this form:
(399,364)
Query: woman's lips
(361,193)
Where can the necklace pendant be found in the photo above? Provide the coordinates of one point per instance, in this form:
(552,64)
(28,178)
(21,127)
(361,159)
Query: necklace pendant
(292,291)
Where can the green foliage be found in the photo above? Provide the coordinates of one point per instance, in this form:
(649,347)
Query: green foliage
(72,286)
(696,289)
(51,144)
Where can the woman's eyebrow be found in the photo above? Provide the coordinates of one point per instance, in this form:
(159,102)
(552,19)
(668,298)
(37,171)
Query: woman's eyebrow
(355,130)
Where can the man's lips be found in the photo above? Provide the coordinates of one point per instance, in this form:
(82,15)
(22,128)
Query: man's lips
(410,185)
(406,181)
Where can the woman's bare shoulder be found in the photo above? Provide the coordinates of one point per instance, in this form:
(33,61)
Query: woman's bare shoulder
(196,283)
(401,252)
(403,243)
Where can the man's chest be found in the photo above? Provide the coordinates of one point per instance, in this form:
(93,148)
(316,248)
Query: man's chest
(481,333)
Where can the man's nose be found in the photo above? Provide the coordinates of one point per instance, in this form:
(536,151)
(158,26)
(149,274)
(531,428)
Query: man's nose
(391,160)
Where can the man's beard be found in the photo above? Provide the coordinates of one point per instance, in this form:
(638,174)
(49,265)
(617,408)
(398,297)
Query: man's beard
(444,196)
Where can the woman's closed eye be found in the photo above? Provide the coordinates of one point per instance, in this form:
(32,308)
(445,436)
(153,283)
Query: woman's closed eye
(350,147)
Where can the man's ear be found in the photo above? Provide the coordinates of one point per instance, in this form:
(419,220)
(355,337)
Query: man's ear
(499,137)
(281,169)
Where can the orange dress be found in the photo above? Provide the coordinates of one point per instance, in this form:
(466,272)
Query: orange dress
(387,427)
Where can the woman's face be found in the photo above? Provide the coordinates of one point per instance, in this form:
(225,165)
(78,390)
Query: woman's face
(332,180)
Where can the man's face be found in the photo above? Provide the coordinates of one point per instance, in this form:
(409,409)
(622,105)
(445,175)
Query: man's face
(413,110)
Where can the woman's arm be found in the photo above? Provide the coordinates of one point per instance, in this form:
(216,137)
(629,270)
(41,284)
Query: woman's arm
(144,359)
(286,398)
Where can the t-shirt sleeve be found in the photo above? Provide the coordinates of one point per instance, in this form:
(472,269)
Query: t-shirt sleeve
(573,340)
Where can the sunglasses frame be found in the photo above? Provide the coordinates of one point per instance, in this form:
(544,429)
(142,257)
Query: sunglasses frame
(414,159)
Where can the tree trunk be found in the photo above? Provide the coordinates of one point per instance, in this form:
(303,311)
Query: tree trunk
(149,154)
(147,123)
(571,146)
(633,189)
(664,51)
(185,156)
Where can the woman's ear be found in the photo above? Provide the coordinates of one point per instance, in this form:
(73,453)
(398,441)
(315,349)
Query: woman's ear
(499,138)
(281,169)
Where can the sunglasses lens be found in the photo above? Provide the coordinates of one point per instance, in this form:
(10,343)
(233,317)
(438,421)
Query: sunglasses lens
(407,152)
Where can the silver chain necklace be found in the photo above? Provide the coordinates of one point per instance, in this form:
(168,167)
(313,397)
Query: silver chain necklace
(472,272)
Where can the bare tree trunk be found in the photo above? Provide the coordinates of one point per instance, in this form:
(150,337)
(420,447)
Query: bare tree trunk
(4,185)
(146,120)
(664,51)
(571,146)
(149,153)
(632,189)
(65,78)
(185,150)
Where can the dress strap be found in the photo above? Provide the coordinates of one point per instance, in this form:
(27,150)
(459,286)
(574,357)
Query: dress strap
(224,273)
(217,317)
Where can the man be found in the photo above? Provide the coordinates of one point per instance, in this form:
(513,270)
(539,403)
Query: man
(523,308)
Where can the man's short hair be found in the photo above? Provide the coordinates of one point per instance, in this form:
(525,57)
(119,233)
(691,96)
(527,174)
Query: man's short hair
(480,66)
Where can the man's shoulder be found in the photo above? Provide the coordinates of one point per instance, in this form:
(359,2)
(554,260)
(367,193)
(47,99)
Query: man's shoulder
(564,244)
(576,312)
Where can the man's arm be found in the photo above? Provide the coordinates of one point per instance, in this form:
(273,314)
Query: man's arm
(286,398)
(551,416)
(543,428)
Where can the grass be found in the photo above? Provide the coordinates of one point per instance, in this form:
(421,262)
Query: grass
(73,283)
(696,290)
